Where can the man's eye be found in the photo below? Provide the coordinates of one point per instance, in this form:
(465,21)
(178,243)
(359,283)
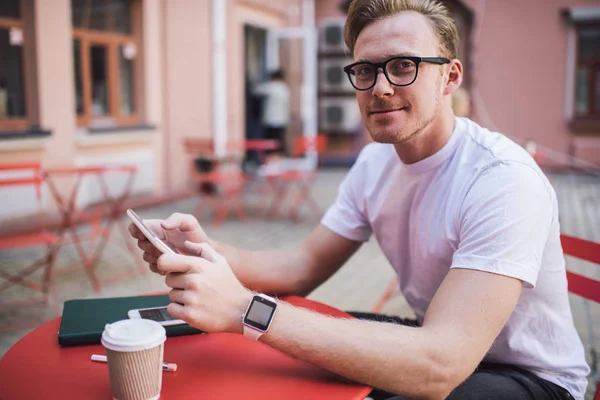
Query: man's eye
(362,71)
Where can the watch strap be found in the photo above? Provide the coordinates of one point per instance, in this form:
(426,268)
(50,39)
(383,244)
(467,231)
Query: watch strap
(251,333)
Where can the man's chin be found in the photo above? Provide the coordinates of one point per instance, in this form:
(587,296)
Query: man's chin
(384,136)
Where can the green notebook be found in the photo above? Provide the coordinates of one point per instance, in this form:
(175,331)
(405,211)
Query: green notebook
(83,321)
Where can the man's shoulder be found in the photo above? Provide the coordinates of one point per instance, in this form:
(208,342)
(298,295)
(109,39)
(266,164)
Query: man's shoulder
(487,148)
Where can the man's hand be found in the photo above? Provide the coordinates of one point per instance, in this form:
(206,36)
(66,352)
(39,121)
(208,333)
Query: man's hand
(176,230)
(206,294)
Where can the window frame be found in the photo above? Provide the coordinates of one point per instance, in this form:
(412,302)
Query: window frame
(592,114)
(19,123)
(112,41)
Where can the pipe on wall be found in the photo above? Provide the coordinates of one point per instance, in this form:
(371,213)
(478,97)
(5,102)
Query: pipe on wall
(219,73)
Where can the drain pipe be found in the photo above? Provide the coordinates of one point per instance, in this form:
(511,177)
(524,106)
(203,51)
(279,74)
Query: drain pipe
(309,87)
(219,73)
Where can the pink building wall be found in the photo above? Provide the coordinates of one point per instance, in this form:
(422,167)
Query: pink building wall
(520,69)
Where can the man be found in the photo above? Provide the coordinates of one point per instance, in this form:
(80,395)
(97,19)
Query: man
(276,108)
(464,215)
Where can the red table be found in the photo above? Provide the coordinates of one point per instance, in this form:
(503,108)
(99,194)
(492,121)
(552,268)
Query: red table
(103,217)
(213,366)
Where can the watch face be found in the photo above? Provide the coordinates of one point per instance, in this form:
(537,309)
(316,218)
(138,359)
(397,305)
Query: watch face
(260,313)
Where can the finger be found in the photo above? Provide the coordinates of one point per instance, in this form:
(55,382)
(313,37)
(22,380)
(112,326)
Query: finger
(178,281)
(203,250)
(135,232)
(177,311)
(149,258)
(170,263)
(148,247)
(183,222)
(154,268)
(182,297)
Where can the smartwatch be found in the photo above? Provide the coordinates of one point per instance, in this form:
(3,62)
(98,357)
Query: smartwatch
(258,316)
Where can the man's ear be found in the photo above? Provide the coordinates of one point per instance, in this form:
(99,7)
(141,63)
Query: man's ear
(455,77)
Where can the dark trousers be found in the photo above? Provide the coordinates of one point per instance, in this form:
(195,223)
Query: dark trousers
(489,382)
(276,133)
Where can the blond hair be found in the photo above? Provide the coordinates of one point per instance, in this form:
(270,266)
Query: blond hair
(363,12)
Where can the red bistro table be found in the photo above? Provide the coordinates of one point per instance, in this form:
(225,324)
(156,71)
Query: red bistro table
(103,217)
(213,366)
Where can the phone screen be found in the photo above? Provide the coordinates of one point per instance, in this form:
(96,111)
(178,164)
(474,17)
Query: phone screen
(156,314)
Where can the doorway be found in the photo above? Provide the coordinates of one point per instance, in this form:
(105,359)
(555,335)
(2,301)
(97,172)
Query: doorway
(255,71)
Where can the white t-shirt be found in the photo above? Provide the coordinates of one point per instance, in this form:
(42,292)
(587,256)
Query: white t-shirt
(479,203)
(276,107)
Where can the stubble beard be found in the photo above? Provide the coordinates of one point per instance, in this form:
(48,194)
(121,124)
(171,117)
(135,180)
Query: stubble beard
(421,124)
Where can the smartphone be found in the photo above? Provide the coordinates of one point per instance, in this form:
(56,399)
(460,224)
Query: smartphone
(158,314)
(161,245)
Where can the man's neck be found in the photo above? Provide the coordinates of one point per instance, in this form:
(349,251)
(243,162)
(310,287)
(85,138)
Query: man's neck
(428,142)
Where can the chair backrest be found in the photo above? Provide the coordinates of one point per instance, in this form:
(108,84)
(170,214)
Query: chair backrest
(29,175)
(198,146)
(304,144)
(584,250)
(25,174)
(583,286)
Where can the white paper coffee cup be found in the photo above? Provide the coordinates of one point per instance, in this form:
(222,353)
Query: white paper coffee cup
(134,351)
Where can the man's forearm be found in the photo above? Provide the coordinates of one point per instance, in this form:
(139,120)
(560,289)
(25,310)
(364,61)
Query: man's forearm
(394,358)
(265,271)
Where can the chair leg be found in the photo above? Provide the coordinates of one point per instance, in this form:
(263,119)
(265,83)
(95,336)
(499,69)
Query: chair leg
(304,195)
(236,201)
(387,295)
(20,278)
(265,190)
(90,262)
(221,212)
(51,295)
(281,191)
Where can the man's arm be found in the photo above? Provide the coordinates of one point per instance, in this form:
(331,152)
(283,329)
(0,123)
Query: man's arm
(296,271)
(463,320)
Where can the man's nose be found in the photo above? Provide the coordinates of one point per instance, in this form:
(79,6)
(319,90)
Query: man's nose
(383,87)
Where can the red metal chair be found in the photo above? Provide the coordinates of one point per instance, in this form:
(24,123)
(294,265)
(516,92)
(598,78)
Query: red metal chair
(29,175)
(296,175)
(219,180)
(587,288)
(580,285)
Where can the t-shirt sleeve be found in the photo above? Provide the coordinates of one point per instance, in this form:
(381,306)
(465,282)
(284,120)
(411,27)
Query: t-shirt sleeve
(504,222)
(347,216)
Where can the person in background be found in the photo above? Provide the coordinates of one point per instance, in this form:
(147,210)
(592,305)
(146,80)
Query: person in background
(3,99)
(275,109)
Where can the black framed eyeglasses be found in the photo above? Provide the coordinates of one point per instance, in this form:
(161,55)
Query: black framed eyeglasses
(399,71)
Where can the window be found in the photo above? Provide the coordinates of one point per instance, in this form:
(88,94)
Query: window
(105,60)
(13,113)
(587,73)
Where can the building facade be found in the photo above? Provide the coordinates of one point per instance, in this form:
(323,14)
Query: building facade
(105,82)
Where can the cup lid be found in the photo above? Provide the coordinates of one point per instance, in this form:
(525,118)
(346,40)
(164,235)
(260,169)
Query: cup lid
(133,335)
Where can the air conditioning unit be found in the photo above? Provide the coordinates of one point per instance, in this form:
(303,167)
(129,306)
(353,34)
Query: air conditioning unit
(332,77)
(331,36)
(340,115)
